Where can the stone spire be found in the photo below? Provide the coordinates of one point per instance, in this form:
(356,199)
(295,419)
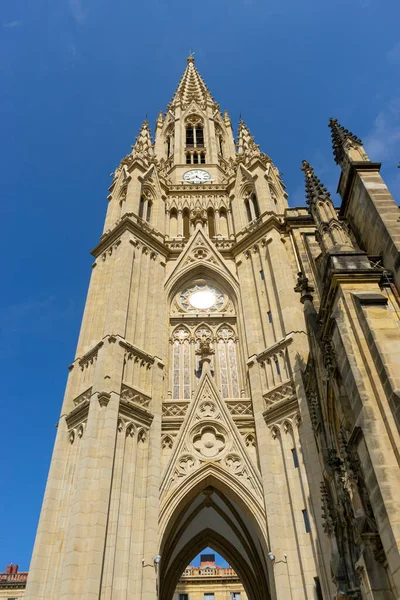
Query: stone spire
(191,87)
(331,232)
(343,141)
(315,190)
(247,148)
(246,143)
(160,119)
(143,147)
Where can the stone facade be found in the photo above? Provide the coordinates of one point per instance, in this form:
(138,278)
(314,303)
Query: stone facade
(12,583)
(209,581)
(207,405)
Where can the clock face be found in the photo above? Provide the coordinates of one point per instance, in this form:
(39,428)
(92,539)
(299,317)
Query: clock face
(197,176)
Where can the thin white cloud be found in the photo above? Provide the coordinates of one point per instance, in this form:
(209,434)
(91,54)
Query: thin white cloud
(383,141)
(77,11)
(12,24)
(394,54)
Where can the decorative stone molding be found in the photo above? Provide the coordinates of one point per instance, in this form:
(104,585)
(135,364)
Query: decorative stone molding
(133,429)
(76,433)
(281,393)
(284,414)
(272,350)
(90,357)
(78,415)
(329,355)
(103,398)
(328,523)
(210,435)
(134,352)
(315,410)
(240,408)
(110,250)
(135,413)
(82,397)
(167,441)
(132,395)
(174,408)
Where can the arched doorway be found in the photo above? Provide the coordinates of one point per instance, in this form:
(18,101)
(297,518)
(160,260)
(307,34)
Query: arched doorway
(211,514)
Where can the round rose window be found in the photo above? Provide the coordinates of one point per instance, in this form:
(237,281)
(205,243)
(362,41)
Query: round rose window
(202,297)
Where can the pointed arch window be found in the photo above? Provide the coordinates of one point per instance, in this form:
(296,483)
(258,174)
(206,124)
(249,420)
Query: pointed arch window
(186,223)
(223,222)
(194,132)
(252,207)
(255,205)
(173,223)
(227,363)
(199,136)
(211,222)
(181,387)
(248,211)
(190,136)
(188,158)
(195,158)
(148,212)
(141,207)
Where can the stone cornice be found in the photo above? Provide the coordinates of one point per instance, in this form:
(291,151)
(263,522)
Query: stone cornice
(78,414)
(254,235)
(138,352)
(135,412)
(204,188)
(90,354)
(287,407)
(298,220)
(278,347)
(128,224)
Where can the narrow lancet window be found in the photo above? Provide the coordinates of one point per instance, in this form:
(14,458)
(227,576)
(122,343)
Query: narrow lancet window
(190,136)
(148,213)
(199,137)
(141,207)
(255,205)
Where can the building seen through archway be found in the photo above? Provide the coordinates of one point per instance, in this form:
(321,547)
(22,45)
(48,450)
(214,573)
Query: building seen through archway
(236,378)
(209,581)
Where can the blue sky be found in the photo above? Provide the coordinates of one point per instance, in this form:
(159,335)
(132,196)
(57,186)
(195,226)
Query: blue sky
(77,79)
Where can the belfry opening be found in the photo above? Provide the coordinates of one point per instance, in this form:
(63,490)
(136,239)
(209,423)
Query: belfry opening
(235,383)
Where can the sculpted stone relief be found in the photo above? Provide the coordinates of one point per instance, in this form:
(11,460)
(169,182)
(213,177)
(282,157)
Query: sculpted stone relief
(212,437)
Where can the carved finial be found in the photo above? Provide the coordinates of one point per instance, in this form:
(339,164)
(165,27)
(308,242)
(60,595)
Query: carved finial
(246,143)
(190,58)
(314,188)
(160,119)
(339,137)
(143,146)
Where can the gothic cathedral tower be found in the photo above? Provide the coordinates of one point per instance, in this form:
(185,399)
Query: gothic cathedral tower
(185,421)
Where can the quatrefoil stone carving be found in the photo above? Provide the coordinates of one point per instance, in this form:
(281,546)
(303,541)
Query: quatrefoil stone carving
(209,442)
